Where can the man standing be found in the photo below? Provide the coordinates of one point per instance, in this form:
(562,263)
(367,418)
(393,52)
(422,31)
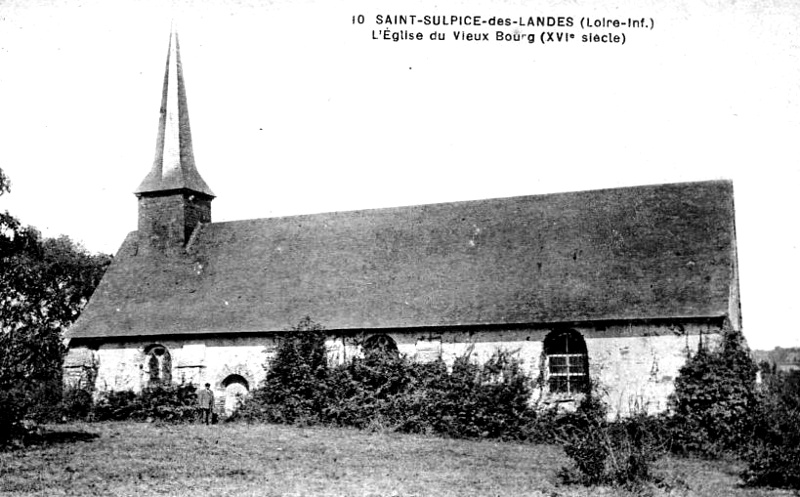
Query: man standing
(205,399)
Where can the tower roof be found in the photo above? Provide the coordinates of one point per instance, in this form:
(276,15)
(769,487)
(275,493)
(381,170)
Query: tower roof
(173,166)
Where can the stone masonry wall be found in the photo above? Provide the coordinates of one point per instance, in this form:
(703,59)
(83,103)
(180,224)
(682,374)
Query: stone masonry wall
(166,222)
(634,367)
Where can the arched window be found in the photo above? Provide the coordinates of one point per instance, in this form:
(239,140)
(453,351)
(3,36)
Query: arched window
(567,362)
(236,389)
(380,344)
(159,365)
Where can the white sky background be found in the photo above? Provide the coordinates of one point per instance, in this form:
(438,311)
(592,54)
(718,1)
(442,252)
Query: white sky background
(296,110)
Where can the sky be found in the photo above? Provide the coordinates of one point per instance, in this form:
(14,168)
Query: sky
(295,108)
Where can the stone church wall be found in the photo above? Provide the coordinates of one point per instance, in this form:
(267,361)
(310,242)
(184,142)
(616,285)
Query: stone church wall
(633,366)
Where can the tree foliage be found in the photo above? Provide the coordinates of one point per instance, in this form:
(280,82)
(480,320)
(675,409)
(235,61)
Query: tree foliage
(715,396)
(295,386)
(44,284)
(619,452)
(169,403)
(5,184)
(773,456)
(390,391)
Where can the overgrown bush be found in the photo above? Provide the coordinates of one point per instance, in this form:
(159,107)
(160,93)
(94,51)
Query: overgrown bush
(376,391)
(773,458)
(717,408)
(170,403)
(14,407)
(76,404)
(389,391)
(481,400)
(28,404)
(295,389)
(116,405)
(52,402)
(467,401)
(714,399)
(77,399)
(619,452)
(41,401)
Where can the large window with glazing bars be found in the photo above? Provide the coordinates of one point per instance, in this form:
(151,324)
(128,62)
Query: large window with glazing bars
(567,362)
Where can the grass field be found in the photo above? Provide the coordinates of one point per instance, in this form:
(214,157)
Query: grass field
(139,459)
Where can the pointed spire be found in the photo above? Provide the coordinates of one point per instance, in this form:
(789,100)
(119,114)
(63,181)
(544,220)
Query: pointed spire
(173,167)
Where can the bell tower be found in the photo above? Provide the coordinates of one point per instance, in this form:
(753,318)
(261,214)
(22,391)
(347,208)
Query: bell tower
(173,198)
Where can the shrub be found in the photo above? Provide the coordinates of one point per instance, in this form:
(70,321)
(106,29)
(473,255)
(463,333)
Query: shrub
(375,391)
(28,404)
(295,389)
(173,403)
(388,391)
(620,452)
(773,458)
(14,402)
(170,403)
(715,395)
(468,401)
(486,400)
(76,403)
(116,406)
(41,401)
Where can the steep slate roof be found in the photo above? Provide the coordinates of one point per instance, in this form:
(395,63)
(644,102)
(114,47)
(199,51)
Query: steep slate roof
(664,251)
(173,166)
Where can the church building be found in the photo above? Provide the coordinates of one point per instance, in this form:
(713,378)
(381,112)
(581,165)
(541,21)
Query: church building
(616,286)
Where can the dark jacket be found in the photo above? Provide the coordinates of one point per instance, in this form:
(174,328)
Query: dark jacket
(205,399)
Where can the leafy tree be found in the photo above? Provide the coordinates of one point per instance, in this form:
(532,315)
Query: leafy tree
(44,284)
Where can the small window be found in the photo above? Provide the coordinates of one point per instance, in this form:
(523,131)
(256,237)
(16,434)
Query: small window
(381,345)
(159,365)
(567,362)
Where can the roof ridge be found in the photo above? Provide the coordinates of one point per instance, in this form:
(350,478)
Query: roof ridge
(476,201)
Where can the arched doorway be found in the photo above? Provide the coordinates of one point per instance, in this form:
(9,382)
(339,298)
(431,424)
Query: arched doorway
(236,389)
